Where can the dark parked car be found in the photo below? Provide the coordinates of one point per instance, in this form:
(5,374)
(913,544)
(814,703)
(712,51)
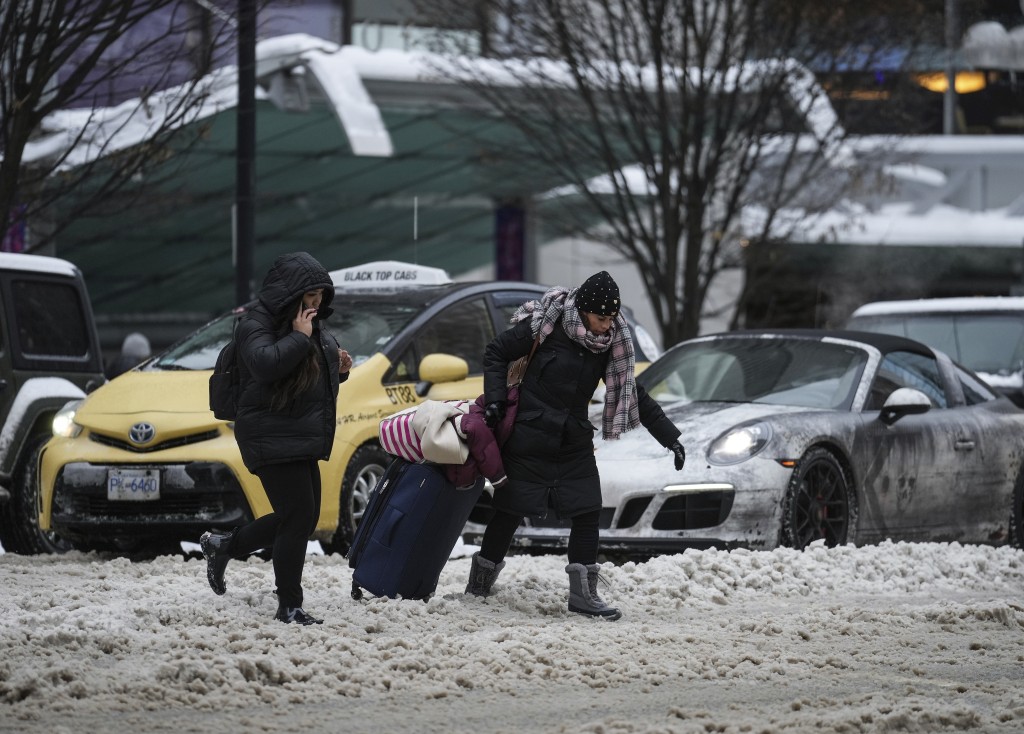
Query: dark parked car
(49,354)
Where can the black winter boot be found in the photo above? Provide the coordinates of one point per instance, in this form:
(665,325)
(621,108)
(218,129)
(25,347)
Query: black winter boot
(482,575)
(583,598)
(295,614)
(216,548)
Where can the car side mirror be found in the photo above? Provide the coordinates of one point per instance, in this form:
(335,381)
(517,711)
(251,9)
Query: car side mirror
(904,401)
(435,368)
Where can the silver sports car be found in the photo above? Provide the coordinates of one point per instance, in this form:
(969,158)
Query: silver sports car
(796,437)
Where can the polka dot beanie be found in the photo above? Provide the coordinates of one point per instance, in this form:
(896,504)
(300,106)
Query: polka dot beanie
(599,294)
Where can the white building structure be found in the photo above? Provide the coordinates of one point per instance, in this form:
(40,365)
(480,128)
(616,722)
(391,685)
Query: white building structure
(953,193)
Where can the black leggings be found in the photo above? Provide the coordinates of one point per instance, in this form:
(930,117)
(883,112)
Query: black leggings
(583,537)
(293,489)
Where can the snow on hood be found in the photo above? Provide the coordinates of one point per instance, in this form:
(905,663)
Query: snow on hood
(638,461)
(700,423)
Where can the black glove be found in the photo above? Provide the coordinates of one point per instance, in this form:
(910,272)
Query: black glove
(494,412)
(680,455)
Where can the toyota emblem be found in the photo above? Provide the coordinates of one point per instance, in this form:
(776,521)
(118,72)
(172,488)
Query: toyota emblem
(141,433)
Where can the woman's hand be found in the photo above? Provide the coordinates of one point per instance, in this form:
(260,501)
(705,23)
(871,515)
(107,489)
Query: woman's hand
(679,455)
(494,413)
(344,361)
(304,320)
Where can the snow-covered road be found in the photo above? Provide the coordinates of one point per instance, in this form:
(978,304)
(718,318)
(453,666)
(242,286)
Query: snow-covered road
(895,637)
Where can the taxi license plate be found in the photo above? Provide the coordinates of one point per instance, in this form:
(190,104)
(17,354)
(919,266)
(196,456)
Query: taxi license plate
(133,485)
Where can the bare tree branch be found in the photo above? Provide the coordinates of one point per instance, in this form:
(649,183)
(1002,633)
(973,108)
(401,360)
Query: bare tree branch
(685,128)
(62,58)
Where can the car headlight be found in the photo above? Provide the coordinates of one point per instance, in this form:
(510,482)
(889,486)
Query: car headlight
(739,443)
(64,424)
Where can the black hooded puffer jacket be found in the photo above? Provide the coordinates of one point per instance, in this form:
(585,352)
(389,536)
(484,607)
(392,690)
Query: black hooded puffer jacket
(303,429)
(549,457)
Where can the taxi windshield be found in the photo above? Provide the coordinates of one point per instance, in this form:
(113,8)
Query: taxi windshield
(363,326)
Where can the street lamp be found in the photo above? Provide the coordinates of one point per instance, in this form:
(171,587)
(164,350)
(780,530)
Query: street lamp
(949,98)
(244,229)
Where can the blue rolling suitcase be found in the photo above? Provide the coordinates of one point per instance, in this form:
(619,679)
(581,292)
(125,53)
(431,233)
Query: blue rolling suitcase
(412,522)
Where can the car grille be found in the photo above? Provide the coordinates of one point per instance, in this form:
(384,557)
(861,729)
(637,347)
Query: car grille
(193,493)
(632,512)
(118,443)
(693,511)
(209,504)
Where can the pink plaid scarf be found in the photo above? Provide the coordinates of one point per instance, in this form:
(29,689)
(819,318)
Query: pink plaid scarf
(621,412)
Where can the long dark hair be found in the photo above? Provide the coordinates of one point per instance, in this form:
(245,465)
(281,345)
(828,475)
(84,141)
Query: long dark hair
(302,377)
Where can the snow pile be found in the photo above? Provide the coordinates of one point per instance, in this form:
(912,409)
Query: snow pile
(894,637)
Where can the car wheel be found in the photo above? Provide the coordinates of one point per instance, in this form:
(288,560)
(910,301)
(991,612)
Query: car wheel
(820,502)
(364,470)
(19,518)
(1017,516)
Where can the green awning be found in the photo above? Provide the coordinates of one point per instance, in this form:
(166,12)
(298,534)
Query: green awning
(431,201)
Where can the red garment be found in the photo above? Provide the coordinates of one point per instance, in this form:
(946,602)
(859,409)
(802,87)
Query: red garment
(484,453)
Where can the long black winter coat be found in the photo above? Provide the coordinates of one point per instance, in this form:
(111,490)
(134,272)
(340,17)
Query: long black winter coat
(549,458)
(304,429)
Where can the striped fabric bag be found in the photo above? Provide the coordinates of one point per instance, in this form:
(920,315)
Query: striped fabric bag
(398,438)
(427,432)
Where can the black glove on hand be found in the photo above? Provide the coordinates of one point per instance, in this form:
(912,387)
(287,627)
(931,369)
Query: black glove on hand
(677,449)
(494,412)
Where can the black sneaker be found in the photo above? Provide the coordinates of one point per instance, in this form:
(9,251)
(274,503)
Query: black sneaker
(215,549)
(295,614)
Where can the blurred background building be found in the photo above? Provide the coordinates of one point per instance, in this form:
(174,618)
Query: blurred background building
(364,154)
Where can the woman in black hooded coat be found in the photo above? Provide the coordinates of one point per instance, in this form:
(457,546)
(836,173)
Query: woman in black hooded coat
(290,369)
(549,457)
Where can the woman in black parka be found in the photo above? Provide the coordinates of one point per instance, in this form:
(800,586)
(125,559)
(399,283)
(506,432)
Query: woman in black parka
(290,370)
(549,457)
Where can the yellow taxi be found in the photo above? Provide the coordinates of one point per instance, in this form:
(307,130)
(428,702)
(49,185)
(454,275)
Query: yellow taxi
(142,462)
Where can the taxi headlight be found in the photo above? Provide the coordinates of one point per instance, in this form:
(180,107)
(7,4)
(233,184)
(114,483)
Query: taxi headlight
(64,424)
(739,443)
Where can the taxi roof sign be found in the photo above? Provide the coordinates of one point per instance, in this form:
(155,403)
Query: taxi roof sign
(389,274)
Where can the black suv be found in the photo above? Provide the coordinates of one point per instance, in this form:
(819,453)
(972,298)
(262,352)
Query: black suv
(49,354)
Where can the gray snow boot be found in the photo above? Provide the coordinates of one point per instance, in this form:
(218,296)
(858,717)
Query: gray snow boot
(583,598)
(482,575)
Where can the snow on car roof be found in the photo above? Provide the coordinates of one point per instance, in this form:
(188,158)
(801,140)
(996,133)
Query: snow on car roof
(884,343)
(942,305)
(36,263)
